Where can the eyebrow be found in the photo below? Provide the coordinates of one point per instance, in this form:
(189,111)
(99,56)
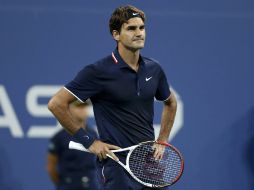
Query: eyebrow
(135,26)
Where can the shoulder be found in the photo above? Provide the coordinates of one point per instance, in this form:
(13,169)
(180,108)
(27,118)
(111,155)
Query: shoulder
(101,64)
(56,141)
(98,68)
(59,135)
(152,64)
(150,60)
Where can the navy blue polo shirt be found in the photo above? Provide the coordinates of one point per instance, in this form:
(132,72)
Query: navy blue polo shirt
(123,99)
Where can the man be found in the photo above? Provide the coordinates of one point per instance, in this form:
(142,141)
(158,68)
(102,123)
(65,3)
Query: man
(70,169)
(122,87)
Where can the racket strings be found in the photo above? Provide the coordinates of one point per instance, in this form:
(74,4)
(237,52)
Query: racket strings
(157,172)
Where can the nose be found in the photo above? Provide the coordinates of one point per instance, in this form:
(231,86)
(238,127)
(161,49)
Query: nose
(138,33)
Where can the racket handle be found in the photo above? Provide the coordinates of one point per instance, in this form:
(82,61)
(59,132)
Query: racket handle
(77,146)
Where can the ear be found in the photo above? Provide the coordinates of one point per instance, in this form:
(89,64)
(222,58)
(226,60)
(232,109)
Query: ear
(115,35)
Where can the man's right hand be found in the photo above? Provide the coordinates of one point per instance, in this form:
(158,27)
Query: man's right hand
(101,150)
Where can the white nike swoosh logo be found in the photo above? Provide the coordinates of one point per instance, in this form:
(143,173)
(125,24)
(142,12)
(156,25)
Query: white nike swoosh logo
(147,79)
(87,137)
(134,14)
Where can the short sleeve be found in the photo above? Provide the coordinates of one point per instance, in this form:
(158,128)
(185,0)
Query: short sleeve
(86,83)
(53,146)
(163,91)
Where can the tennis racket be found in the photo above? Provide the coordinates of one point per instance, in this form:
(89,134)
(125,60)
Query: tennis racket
(144,168)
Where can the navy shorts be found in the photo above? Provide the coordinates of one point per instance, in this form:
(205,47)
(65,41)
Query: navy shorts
(113,176)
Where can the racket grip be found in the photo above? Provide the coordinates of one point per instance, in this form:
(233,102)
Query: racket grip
(77,146)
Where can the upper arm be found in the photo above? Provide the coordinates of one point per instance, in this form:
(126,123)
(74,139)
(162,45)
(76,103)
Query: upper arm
(61,98)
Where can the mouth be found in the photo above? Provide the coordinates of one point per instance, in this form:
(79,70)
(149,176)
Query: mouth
(138,40)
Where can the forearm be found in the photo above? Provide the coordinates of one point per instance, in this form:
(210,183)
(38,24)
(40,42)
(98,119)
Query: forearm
(61,105)
(167,118)
(54,176)
(52,161)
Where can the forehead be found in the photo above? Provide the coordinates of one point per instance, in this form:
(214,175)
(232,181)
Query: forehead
(136,21)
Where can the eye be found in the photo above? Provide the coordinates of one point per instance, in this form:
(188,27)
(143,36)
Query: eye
(142,27)
(131,28)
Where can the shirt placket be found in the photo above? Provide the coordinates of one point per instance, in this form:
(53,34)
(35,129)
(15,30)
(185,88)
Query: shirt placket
(138,80)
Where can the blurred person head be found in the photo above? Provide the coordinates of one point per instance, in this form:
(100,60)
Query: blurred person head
(80,110)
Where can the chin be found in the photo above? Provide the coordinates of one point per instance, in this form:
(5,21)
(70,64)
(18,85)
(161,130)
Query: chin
(135,47)
(138,46)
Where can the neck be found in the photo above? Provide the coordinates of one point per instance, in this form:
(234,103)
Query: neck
(130,57)
(83,124)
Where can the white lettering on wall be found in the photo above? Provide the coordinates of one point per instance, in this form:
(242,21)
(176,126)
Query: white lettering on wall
(9,118)
(41,110)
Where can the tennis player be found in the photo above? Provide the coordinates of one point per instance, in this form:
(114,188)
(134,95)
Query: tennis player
(122,87)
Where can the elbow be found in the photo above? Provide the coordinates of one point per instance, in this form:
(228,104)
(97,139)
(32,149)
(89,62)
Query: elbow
(57,106)
(53,104)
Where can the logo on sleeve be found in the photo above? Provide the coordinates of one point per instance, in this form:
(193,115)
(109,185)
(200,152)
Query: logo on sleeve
(87,137)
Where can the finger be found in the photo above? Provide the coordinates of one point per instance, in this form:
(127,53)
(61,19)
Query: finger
(156,154)
(100,157)
(110,153)
(113,147)
(161,156)
(161,152)
(154,147)
(104,155)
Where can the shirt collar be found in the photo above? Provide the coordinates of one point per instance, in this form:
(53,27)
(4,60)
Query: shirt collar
(119,61)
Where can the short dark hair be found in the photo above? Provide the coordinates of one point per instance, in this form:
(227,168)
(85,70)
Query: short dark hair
(121,15)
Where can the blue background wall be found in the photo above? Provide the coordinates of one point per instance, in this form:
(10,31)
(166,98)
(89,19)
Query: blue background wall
(205,47)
